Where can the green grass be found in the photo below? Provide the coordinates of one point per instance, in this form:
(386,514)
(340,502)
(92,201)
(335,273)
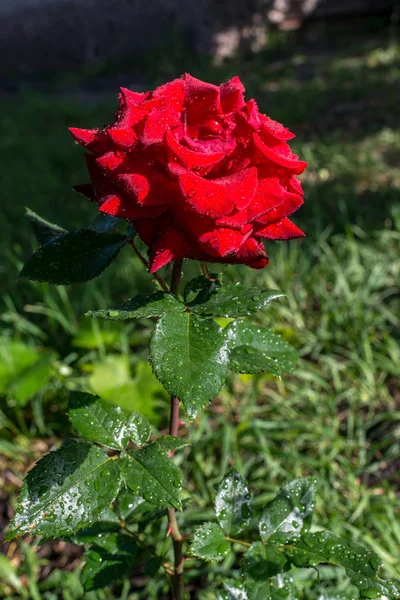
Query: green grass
(337,417)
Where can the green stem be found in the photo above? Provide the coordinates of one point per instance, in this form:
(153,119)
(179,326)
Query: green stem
(176,277)
(177,540)
(241,542)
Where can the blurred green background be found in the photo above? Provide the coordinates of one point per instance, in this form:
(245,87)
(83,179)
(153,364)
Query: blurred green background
(336,84)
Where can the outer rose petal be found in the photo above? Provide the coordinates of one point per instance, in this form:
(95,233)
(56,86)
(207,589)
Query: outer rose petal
(232,95)
(201,99)
(259,264)
(144,183)
(94,140)
(281,230)
(123,208)
(252,253)
(253,118)
(281,155)
(130,98)
(277,130)
(289,205)
(123,136)
(218,197)
(102,186)
(222,241)
(294,185)
(173,92)
(110,162)
(149,189)
(269,194)
(172,244)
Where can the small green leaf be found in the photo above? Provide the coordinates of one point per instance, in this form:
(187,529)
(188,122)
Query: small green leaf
(234,590)
(233,504)
(108,562)
(200,288)
(96,533)
(152,474)
(129,504)
(290,513)
(170,442)
(97,420)
(152,305)
(15,358)
(233,300)
(209,543)
(260,564)
(361,565)
(112,380)
(189,356)
(283,588)
(28,382)
(44,230)
(67,490)
(74,257)
(138,428)
(255,349)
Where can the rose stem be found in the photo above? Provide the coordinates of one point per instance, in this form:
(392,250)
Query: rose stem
(146,264)
(177,540)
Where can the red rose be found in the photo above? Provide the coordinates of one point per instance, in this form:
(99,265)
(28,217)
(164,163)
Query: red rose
(199,172)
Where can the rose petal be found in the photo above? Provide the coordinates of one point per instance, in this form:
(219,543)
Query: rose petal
(294,185)
(253,118)
(110,162)
(275,129)
(129,98)
(282,157)
(121,207)
(201,99)
(205,196)
(223,241)
(156,124)
(173,92)
(110,194)
(288,206)
(130,116)
(94,140)
(102,186)
(122,137)
(171,245)
(218,197)
(251,253)
(269,195)
(189,158)
(281,230)
(136,185)
(259,264)
(232,95)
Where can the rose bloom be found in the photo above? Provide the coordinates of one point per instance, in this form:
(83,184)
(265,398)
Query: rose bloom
(199,172)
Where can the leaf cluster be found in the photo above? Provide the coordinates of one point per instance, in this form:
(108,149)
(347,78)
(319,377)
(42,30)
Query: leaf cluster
(285,543)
